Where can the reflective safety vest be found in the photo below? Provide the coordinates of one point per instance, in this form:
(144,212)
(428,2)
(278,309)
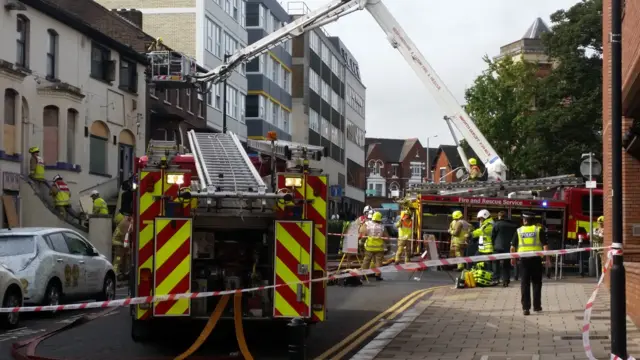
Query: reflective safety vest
(118,218)
(38,172)
(485,243)
(460,238)
(474,172)
(529,239)
(374,241)
(63,196)
(100,207)
(405,229)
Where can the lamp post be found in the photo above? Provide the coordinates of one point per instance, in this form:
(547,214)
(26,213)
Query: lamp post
(428,158)
(618,293)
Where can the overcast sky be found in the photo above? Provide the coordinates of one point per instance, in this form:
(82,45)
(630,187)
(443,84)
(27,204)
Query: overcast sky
(453,35)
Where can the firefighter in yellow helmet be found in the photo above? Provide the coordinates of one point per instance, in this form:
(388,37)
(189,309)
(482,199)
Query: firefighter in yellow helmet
(374,245)
(36,164)
(405,229)
(459,229)
(474,170)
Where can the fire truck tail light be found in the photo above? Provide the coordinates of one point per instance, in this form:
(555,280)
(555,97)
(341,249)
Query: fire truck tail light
(144,288)
(293,182)
(175,179)
(317,300)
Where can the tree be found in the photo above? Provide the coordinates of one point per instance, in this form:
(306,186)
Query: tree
(541,126)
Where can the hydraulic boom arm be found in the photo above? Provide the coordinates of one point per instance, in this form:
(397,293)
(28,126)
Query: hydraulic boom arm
(496,168)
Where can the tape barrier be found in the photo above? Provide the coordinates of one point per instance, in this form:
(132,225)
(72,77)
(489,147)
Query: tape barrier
(589,307)
(414,266)
(396,239)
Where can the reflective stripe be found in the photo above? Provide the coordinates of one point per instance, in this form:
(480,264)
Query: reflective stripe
(529,239)
(485,243)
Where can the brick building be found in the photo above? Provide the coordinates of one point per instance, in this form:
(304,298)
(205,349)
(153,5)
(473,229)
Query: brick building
(630,164)
(171,113)
(446,162)
(392,165)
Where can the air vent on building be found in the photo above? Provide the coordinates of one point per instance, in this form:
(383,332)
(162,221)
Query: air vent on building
(635,229)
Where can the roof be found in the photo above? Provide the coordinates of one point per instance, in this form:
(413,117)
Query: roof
(391,149)
(433,153)
(536,30)
(71,19)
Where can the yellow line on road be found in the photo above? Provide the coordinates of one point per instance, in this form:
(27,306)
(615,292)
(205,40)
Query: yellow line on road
(364,332)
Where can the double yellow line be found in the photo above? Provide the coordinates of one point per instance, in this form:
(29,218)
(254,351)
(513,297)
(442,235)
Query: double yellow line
(351,342)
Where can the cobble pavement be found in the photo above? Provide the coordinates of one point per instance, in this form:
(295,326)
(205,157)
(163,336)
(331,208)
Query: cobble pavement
(488,324)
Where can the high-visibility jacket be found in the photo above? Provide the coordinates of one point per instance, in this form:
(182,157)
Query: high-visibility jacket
(405,228)
(118,218)
(460,238)
(37,168)
(474,173)
(100,207)
(529,239)
(485,243)
(62,193)
(374,242)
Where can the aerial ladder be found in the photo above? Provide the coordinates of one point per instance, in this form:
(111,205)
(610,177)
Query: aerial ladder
(454,112)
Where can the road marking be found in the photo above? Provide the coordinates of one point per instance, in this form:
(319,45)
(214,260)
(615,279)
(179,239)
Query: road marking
(361,334)
(18,333)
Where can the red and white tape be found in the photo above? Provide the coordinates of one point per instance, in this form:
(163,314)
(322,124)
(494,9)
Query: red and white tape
(421,265)
(396,239)
(589,307)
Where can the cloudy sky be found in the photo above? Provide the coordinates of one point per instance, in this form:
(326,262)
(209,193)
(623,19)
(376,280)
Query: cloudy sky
(453,35)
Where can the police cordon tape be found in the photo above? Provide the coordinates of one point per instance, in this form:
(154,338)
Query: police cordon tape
(396,239)
(589,307)
(414,266)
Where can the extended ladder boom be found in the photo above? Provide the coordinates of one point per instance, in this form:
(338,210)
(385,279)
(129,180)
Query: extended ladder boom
(398,38)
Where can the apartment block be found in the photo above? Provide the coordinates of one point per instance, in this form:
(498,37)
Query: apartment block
(206,30)
(269,75)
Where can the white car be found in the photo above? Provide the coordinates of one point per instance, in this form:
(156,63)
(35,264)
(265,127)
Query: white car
(54,264)
(11,295)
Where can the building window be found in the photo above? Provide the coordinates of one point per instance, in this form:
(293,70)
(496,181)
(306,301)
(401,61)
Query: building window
(243,13)
(98,148)
(201,108)
(335,102)
(442,176)
(325,92)
(267,110)
(101,65)
(50,122)
(243,67)
(287,82)
(314,42)
(276,112)
(213,41)
(285,121)
(326,132)
(416,170)
(230,44)
(232,102)
(218,90)
(52,52)
(241,106)
(227,6)
(72,120)
(374,167)
(261,105)
(235,14)
(314,121)
(334,135)
(314,81)
(22,41)
(275,72)
(262,10)
(9,126)
(187,98)
(128,75)
(269,28)
(326,55)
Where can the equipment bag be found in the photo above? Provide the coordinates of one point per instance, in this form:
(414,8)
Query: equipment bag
(469,281)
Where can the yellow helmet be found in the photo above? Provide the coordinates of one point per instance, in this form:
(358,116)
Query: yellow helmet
(473,161)
(377,216)
(34,149)
(601,219)
(457,215)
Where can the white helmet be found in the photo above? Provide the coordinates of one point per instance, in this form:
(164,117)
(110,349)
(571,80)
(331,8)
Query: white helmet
(484,213)
(94,193)
(57,177)
(370,214)
(366,209)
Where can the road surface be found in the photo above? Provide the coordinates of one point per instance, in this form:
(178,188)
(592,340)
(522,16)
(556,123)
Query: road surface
(350,313)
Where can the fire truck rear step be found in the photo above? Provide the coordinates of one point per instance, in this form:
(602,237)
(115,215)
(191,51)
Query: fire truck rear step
(224,166)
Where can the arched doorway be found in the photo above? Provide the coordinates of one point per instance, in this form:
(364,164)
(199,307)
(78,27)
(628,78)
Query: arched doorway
(98,148)
(126,146)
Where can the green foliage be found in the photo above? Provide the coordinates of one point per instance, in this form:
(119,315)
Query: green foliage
(541,126)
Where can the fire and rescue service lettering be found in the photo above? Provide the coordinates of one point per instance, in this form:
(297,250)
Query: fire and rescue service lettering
(484,201)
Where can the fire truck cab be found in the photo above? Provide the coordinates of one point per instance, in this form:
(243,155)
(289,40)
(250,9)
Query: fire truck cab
(207,222)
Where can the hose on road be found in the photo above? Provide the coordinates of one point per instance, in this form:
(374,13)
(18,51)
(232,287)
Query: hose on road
(213,320)
(237,319)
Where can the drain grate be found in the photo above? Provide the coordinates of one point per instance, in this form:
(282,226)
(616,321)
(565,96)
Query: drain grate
(579,337)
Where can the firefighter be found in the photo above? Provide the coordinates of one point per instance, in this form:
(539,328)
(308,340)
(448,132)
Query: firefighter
(474,170)
(459,230)
(36,165)
(530,238)
(483,234)
(374,245)
(99,205)
(120,254)
(405,229)
(365,215)
(61,195)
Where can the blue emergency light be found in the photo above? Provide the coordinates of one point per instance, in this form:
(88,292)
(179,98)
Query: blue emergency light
(544,203)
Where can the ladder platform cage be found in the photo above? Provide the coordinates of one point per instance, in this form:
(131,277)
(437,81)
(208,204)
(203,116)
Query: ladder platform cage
(223,166)
(159,150)
(171,69)
(478,187)
(287,150)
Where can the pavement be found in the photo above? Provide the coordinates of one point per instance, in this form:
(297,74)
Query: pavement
(108,337)
(488,324)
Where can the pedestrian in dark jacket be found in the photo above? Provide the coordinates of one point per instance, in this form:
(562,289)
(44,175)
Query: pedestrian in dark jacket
(503,231)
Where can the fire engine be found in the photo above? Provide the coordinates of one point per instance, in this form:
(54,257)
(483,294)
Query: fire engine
(207,221)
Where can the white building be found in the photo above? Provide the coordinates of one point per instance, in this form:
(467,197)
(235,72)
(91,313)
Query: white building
(70,90)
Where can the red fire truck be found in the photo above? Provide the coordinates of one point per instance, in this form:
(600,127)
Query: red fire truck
(207,221)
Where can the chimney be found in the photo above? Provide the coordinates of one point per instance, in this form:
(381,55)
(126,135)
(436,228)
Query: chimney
(134,16)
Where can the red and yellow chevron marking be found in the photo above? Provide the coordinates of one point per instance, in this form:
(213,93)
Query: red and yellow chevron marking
(172,270)
(149,206)
(293,248)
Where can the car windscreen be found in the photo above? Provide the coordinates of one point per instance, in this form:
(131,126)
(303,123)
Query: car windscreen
(14,245)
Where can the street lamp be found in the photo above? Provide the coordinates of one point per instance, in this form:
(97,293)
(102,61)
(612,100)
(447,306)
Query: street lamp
(428,158)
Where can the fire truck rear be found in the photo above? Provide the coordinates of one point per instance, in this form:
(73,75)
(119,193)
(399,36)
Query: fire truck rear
(208,222)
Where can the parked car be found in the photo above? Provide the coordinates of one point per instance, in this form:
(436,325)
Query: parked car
(11,295)
(56,264)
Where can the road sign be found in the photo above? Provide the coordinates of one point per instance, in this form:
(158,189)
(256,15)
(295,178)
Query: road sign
(336,190)
(591,184)
(590,166)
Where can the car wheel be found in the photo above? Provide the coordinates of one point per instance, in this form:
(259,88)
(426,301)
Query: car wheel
(53,295)
(11,320)
(108,289)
